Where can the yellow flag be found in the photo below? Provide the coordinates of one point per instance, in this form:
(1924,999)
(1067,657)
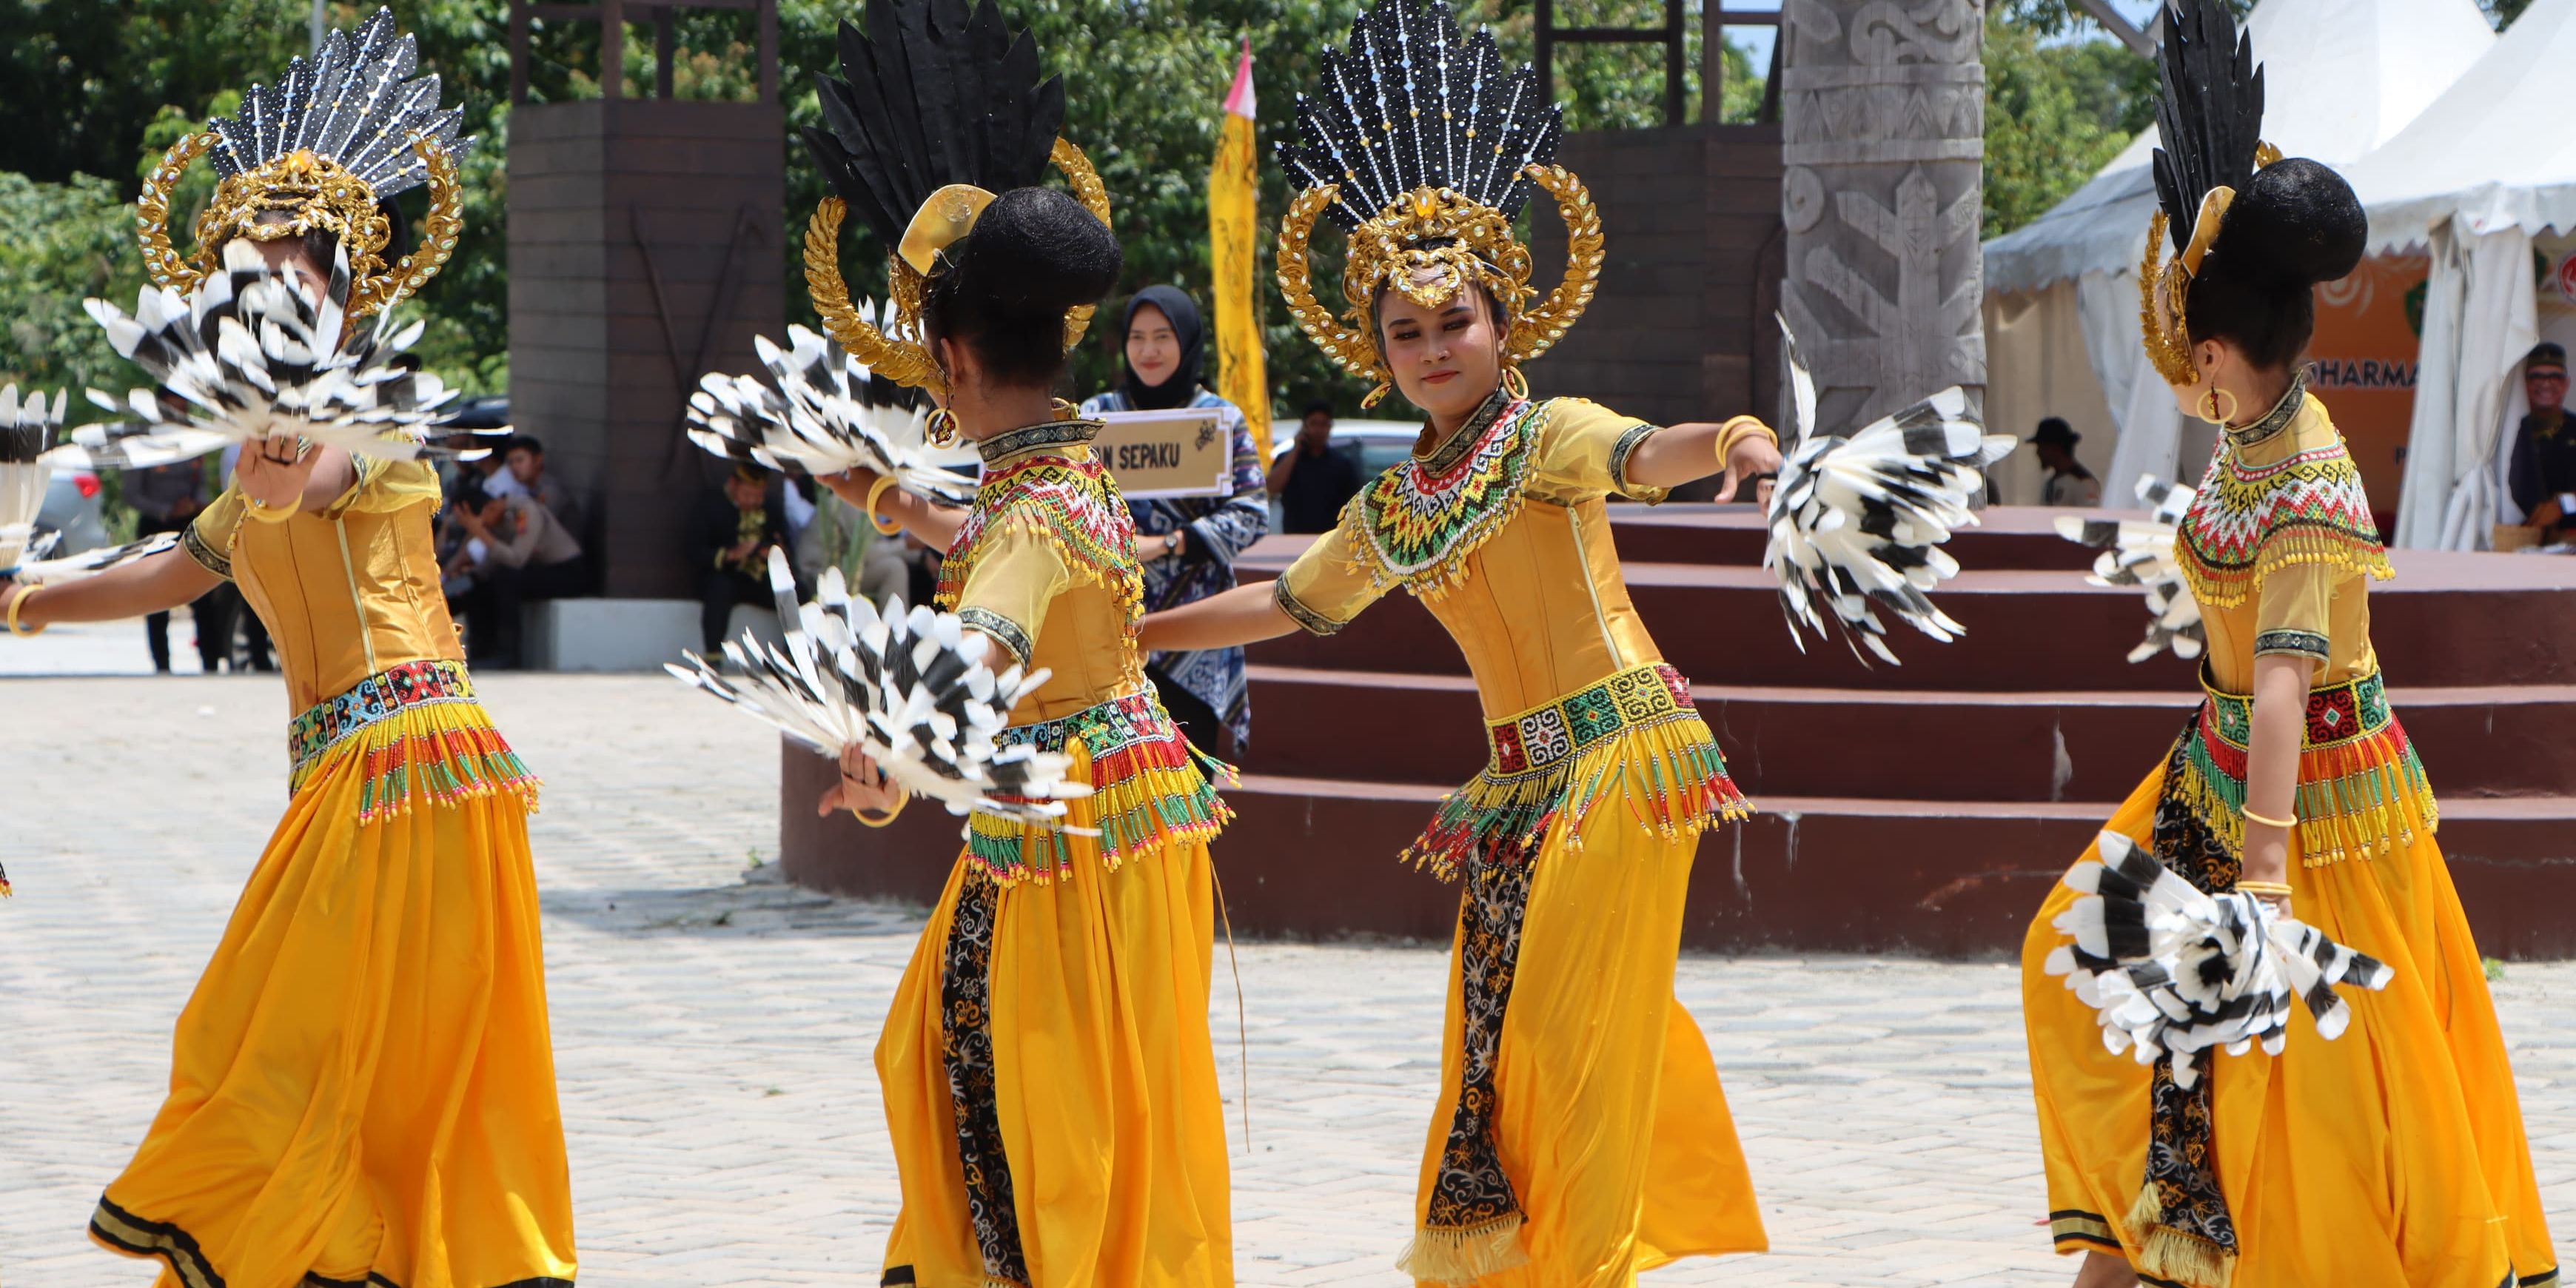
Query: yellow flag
(1233,188)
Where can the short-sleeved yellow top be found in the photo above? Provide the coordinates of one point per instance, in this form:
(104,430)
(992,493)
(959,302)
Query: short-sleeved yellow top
(348,591)
(1504,533)
(1046,565)
(2280,548)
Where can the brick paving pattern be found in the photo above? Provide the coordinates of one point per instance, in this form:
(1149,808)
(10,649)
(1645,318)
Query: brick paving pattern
(713,1033)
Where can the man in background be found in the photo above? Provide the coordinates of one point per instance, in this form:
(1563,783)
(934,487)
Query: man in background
(1311,480)
(2068,482)
(735,530)
(2542,476)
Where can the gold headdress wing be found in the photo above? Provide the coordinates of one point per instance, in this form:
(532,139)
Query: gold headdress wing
(1424,148)
(336,135)
(938,109)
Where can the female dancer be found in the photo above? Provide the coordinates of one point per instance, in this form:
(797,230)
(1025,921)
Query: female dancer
(1186,547)
(1049,1084)
(1582,1136)
(2395,1154)
(362,1085)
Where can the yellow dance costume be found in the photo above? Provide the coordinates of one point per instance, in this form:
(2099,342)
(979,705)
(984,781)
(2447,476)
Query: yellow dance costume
(1582,1136)
(2393,1155)
(362,1088)
(1049,1084)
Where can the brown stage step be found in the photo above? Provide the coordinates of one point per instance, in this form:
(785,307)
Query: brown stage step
(2023,536)
(1316,859)
(2448,619)
(1903,744)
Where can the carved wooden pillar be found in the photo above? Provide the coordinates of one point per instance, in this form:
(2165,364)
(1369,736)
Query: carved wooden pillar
(1883,119)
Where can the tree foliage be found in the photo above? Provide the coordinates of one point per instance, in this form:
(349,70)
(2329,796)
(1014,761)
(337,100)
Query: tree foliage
(2057,110)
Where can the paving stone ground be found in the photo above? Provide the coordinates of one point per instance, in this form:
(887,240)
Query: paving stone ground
(713,1033)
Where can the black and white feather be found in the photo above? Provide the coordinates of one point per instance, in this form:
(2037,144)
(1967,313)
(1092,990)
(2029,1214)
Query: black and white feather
(356,103)
(130,444)
(932,93)
(822,412)
(1857,522)
(2172,972)
(910,690)
(254,353)
(2141,553)
(26,434)
(1406,104)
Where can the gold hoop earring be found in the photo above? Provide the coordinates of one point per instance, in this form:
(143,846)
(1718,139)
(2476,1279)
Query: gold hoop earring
(2207,408)
(1515,384)
(942,429)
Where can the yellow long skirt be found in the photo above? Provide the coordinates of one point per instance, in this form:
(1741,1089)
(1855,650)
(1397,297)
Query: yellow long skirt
(1609,1121)
(1097,1090)
(2391,1157)
(362,1087)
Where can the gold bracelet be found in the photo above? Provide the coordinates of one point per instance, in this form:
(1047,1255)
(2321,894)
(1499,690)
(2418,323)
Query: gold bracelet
(1739,429)
(883,527)
(903,797)
(2280,888)
(2267,821)
(17,602)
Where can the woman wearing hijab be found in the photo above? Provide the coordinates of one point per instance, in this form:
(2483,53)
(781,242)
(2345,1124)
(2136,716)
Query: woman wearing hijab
(1187,546)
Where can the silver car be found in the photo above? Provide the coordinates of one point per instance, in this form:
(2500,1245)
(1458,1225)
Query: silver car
(1373,444)
(72,508)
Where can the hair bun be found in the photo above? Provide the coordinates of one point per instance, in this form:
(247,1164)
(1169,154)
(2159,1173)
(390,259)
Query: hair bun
(2297,223)
(1036,251)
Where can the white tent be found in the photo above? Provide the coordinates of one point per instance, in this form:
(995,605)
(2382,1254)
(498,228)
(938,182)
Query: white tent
(2474,178)
(2341,78)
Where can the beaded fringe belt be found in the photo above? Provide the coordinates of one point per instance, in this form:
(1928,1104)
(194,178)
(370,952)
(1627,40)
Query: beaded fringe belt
(1149,788)
(1634,733)
(422,734)
(2361,787)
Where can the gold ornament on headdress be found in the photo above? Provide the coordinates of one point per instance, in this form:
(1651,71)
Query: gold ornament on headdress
(899,352)
(1429,244)
(313,192)
(2164,286)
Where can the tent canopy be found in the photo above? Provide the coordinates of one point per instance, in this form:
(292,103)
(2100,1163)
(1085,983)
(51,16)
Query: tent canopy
(2492,149)
(2341,78)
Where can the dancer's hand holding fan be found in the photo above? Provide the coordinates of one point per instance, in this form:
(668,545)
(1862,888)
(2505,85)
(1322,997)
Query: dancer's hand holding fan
(909,692)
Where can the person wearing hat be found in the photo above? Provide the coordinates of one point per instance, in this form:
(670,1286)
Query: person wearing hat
(2068,482)
(2543,476)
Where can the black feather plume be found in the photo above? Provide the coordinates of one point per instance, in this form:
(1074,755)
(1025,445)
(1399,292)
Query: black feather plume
(932,93)
(2210,119)
(1408,104)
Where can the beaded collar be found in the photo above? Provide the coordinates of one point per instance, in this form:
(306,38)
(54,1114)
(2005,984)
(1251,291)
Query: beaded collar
(1417,523)
(1001,447)
(2277,419)
(1454,448)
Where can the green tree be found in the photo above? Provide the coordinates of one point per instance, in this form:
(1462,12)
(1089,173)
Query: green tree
(2057,109)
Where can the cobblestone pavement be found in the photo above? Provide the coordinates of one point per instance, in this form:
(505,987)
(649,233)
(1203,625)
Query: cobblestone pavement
(714,1033)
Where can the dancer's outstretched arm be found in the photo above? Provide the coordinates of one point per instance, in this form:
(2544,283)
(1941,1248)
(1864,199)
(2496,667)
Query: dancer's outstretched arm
(1743,447)
(1239,616)
(153,584)
(934,523)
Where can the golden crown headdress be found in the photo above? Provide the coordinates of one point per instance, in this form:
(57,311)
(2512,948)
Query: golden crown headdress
(1424,149)
(940,111)
(336,135)
(2208,123)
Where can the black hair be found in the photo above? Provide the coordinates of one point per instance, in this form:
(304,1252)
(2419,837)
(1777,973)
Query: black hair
(1316,406)
(1004,288)
(2295,225)
(529,441)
